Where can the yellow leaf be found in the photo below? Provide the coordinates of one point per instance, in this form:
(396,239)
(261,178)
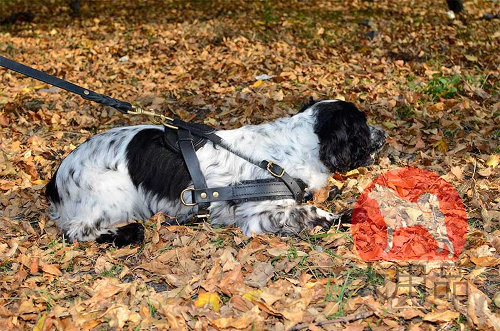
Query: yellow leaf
(258,83)
(41,86)
(441,146)
(354,172)
(208,299)
(496,299)
(471,58)
(389,125)
(211,121)
(493,160)
(252,295)
(40,181)
(438,106)
(41,322)
(335,182)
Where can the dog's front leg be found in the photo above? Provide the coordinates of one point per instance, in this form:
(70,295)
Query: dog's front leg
(282,218)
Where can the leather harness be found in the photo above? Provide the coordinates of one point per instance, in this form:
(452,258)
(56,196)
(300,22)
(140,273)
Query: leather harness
(186,138)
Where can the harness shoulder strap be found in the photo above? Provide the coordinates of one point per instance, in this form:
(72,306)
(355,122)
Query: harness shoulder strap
(193,165)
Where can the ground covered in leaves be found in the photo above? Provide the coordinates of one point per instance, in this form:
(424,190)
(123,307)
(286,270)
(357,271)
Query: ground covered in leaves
(430,81)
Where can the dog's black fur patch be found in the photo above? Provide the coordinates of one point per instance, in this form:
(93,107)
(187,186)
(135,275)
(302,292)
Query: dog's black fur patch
(130,234)
(51,190)
(151,162)
(344,136)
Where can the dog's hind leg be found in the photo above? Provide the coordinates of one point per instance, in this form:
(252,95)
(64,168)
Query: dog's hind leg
(102,231)
(129,234)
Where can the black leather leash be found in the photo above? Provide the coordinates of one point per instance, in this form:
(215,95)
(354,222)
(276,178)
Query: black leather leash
(121,106)
(283,186)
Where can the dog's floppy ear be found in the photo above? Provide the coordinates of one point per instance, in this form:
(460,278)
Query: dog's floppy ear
(308,104)
(343,135)
(333,139)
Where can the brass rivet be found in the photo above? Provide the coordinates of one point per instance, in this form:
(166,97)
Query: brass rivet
(203,195)
(86,92)
(216,194)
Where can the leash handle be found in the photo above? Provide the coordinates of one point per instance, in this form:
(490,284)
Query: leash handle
(122,106)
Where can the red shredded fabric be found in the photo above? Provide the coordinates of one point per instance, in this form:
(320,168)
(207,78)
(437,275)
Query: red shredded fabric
(413,242)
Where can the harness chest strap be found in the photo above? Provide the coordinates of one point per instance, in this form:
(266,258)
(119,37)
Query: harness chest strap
(248,191)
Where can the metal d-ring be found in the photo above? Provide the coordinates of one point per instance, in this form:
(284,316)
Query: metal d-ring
(182,197)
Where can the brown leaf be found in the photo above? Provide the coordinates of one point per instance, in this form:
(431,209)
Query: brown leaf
(241,322)
(34,265)
(52,269)
(479,312)
(441,316)
(262,272)
(321,195)
(457,171)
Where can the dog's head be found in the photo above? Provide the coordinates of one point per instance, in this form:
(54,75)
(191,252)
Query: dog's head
(346,140)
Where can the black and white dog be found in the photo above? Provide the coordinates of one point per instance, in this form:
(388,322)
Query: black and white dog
(128,173)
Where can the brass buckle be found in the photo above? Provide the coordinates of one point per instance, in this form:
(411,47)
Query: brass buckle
(269,168)
(182,197)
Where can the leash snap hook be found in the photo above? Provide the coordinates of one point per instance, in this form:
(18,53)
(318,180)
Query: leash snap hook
(154,117)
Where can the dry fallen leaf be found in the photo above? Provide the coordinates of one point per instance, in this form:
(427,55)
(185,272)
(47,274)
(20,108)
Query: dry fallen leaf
(493,160)
(479,312)
(52,269)
(441,316)
(208,299)
(241,322)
